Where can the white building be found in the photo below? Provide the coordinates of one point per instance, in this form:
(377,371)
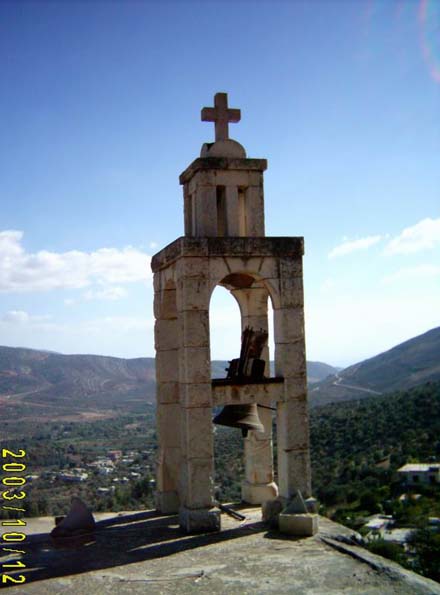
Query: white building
(73,477)
(420,473)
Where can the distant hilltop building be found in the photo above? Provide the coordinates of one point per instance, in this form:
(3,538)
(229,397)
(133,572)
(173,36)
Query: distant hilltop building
(420,473)
(115,455)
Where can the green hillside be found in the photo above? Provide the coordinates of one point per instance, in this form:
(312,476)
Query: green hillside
(357,446)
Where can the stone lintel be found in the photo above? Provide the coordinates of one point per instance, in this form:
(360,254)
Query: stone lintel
(223,163)
(249,247)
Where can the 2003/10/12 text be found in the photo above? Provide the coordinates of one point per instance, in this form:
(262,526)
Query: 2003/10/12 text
(12,499)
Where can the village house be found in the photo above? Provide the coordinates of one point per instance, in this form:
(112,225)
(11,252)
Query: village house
(413,474)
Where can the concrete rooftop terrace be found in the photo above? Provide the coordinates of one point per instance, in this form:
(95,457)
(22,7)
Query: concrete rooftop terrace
(144,552)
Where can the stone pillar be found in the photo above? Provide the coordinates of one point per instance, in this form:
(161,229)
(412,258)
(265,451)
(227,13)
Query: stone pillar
(232,211)
(258,485)
(292,414)
(168,407)
(196,487)
(255,209)
(205,203)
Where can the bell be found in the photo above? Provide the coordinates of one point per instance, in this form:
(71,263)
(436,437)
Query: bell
(244,417)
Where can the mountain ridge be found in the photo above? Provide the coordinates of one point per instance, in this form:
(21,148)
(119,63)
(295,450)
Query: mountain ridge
(51,385)
(404,366)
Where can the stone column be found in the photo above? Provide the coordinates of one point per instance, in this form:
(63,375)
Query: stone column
(167,390)
(232,211)
(255,209)
(196,488)
(258,485)
(292,414)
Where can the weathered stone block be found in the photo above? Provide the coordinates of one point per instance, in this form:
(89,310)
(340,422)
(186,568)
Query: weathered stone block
(196,395)
(166,334)
(304,525)
(169,423)
(197,483)
(167,365)
(255,211)
(195,365)
(232,178)
(197,436)
(168,469)
(193,294)
(294,472)
(199,521)
(202,178)
(192,267)
(205,199)
(291,295)
(289,325)
(292,425)
(194,328)
(290,267)
(167,392)
(232,211)
(295,388)
(165,304)
(167,502)
(291,358)
(157,281)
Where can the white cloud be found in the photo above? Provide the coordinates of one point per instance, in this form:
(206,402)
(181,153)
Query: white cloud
(21,271)
(21,317)
(424,235)
(348,247)
(108,294)
(423,271)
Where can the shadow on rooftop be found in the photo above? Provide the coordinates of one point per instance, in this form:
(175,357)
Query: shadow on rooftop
(119,541)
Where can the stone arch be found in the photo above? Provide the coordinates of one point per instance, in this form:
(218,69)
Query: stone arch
(239,274)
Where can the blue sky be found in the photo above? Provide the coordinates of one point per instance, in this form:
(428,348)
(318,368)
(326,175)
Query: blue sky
(100,112)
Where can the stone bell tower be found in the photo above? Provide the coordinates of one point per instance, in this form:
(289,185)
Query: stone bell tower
(224,244)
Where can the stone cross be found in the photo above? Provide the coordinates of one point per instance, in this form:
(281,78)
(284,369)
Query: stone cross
(221,115)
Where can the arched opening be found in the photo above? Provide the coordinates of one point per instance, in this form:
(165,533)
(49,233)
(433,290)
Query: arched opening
(225,341)
(225,330)
(243,468)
